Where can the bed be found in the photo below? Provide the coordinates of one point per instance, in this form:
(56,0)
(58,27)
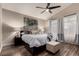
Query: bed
(35,43)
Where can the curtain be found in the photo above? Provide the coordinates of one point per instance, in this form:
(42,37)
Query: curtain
(70,28)
(65,29)
(54,28)
(77,32)
(60,30)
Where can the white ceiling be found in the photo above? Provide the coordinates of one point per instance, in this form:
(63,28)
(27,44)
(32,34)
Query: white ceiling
(31,10)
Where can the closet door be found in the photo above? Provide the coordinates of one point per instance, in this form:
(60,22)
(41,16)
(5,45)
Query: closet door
(70,28)
(54,29)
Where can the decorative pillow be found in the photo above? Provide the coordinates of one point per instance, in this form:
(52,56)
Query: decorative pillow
(50,36)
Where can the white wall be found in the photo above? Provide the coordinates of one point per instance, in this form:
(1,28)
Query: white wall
(0,27)
(43,24)
(11,21)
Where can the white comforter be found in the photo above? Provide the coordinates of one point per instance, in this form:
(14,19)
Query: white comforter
(35,40)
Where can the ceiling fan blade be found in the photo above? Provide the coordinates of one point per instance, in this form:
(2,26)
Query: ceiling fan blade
(40,7)
(50,11)
(54,7)
(43,11)
(48,4)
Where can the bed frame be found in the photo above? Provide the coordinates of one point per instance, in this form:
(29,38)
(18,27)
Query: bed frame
(35,50)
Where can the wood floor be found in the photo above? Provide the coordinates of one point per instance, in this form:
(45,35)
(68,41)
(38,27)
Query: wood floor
(66,50)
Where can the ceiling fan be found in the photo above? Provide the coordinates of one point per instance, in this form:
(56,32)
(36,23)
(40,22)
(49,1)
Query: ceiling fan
(48,8)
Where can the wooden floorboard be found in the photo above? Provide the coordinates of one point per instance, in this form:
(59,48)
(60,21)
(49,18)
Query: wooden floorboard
(66,50)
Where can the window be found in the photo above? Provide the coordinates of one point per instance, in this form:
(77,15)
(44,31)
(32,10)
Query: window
(70,28)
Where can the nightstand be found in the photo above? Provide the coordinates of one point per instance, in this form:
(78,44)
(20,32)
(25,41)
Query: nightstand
(18,41)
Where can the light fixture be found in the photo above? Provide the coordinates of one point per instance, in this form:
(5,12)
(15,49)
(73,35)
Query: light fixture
(47,10)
